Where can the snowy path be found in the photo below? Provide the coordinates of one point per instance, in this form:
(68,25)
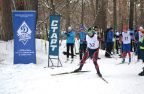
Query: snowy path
(35,79)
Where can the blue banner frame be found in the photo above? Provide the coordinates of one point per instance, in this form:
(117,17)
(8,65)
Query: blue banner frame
(54,35)
(24,27)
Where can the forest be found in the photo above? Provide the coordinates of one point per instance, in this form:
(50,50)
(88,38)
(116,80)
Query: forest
(101,13)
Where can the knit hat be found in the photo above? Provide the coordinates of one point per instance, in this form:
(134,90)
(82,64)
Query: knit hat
(69,28)
(90,31)
(140,28)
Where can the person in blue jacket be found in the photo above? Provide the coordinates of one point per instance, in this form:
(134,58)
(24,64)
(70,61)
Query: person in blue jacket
(70,42)
(109,43)
(82,41)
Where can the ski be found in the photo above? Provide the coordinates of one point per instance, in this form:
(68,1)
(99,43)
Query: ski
(63,73)
(119,63)
(124,63)
(104,80)
(129,63)
(66,61)
(71,61)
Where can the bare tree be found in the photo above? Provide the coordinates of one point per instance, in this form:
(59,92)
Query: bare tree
(131,14)
(141,12)
(26,4)
(82,13)
(102,15)
(52,7)
(7,16)
(67,14)
(115,14)
(6,20)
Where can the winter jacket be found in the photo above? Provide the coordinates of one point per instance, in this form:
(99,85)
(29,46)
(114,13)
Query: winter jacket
(70,37)
(137,36)
(110,36)
(82,37)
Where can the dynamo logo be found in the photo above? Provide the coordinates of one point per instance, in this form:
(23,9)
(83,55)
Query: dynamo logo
(24,33)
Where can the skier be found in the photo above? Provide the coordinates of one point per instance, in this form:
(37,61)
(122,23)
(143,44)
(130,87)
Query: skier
(95,28)
(142,52)
(70,42)
(126,44)
(92,51)
(82,39)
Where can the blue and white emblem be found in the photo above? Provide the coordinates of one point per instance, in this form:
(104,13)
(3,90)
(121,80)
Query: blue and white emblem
(24,33)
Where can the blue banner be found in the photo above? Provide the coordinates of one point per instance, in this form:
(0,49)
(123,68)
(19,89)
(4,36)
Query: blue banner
(24,27)
(54,35)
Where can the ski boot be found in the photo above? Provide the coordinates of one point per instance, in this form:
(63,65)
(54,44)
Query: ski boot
(141,73)
(99,74)
(129,60)
(79,69)
(123,60)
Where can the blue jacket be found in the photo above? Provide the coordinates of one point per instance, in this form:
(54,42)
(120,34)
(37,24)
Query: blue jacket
(110,36)
(82,37)
(71,37)
(137,36)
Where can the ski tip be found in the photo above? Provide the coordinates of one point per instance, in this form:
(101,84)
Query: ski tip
(104,80)
(49,67)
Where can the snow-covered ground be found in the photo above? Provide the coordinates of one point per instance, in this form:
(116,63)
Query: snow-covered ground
(35,79)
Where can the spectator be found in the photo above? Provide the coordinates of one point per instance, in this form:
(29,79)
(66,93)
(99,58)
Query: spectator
(70,42)
(109,42)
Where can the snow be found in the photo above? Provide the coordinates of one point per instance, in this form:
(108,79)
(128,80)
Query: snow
(36,79)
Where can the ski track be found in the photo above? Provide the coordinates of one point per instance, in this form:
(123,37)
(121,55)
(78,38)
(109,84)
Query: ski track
(35,79)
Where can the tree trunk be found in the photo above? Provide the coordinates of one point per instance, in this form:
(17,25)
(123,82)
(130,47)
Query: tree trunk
(135,15)
(82,13)
(7,16)
(97,11)
(6,20)
(67,14)
(115,14)
(52,7)
(26,4)
(141,12)
(101,19)
(131,15)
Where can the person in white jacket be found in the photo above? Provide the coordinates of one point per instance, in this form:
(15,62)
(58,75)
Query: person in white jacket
(92,51)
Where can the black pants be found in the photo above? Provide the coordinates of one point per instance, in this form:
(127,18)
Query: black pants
(70,45)
(82,50)
(109,47)
(132,45)
(117,46)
